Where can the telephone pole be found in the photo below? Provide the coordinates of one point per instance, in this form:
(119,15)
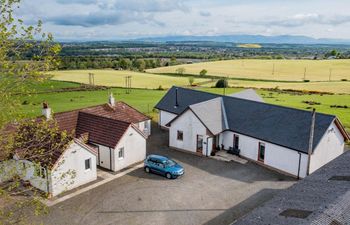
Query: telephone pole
(273,70)
(127,84)
(91,79)
(330,74)
(305,73)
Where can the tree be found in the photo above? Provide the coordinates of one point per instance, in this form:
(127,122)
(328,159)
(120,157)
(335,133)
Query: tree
(139,64)
(191,80)
(173,61)
(26,56)
(203,72)
(222,83)
(24,60)
(180,70)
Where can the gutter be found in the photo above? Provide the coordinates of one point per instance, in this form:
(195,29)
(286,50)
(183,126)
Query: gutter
(299,165)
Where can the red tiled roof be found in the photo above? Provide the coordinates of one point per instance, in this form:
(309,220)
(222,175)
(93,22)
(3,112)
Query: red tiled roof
(102,130)
(121,111)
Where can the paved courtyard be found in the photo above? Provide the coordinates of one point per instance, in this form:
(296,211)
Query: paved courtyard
(210,192)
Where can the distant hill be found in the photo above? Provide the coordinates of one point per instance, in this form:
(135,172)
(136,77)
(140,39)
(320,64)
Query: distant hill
(247,39)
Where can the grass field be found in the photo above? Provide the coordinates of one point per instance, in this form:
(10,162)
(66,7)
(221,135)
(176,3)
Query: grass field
(145,100)
(116,78)
(333,87)
(284,70)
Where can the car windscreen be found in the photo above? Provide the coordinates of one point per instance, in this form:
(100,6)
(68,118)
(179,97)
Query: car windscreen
(170,162)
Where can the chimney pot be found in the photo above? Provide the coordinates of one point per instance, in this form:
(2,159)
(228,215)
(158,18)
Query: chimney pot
(46,111)
(111,100)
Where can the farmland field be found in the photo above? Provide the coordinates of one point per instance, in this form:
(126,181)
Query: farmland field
(116,78)
(276,70)
(145,100)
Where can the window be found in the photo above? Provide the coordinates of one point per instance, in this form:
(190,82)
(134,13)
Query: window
(121,153)
(87,164)
(236,141)
(39,171)
(180,135)
(261,153)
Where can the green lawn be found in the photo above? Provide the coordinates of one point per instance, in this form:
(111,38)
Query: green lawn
(144,100)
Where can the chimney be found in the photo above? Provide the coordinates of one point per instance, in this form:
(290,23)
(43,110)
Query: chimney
(46,111)
(176,98)
(111,100)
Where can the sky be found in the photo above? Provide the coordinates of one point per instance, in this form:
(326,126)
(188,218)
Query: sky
(125,19)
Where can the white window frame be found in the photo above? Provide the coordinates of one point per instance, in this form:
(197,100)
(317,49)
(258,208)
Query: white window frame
(121,150)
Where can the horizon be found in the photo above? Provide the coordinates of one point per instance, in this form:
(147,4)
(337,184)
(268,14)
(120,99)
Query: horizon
(120,20)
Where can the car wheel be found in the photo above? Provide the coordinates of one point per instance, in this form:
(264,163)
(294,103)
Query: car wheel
(168,175)
(147,170)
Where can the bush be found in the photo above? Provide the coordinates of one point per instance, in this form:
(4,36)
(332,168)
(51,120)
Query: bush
(160,88)
(344,79)
(306,81)
(203,72)
(180,70)
(222,83)
(191,80)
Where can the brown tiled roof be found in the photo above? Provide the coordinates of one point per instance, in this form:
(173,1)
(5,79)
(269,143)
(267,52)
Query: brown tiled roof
(102,130)
(121,111)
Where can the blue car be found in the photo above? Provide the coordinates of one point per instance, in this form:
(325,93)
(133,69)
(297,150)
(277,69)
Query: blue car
(163,166)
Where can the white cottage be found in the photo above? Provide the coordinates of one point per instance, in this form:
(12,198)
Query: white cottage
(116,130)
(273,136)
(112,136)
(68,169)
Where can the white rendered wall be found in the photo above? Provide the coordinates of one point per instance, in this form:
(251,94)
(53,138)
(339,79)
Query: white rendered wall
(134,149)
(330,147)
(70,171)
(145,127)
(276,156)
(165,118)
(191,126)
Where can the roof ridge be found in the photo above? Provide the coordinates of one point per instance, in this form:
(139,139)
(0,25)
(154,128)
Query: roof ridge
(246,100)
(104,117)
(224,115)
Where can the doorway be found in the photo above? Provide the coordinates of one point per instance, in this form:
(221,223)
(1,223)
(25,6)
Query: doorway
(200,144)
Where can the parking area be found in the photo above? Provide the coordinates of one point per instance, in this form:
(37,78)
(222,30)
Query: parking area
(210,192)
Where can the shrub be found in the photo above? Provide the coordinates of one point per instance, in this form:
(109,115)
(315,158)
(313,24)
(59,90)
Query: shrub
(191,80)
(306,81)
(180,70)
(203,72)
(344,79)
(222,83)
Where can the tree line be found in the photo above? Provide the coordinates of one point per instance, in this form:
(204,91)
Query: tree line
(139,64)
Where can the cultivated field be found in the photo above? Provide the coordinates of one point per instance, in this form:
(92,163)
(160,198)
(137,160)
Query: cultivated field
(116,78)
(283,70)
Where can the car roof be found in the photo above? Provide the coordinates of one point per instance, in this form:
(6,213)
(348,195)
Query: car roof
(159,157)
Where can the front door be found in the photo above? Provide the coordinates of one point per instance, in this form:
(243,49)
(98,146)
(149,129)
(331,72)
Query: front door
(200,144)
(105,157)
